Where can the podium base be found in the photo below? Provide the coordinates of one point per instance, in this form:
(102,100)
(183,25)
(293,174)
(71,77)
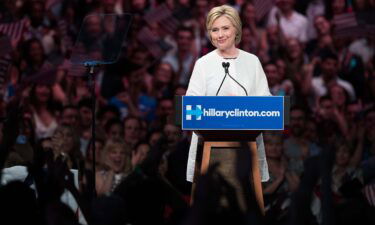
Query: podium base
(238,168)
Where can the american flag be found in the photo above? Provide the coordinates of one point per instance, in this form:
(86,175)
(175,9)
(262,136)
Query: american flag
(346,24)
(164,17)
(148,39)
(13,30)
(262,7)
(369,193)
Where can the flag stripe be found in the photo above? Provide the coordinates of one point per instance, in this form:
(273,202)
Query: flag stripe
(262,7)
(146,37)
(164,17)
(13,30)
(344,21)
(159,13)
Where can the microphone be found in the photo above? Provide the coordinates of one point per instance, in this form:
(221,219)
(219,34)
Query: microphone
(226,68)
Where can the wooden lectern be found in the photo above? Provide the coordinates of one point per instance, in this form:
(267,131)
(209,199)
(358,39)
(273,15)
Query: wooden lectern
(233,139)
(203,115)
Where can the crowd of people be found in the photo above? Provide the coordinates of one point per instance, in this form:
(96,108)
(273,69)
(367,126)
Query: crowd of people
(322,167)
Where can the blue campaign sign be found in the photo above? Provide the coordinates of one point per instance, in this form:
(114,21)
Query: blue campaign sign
(233,113)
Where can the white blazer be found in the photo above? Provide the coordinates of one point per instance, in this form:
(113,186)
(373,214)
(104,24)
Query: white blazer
(205,81)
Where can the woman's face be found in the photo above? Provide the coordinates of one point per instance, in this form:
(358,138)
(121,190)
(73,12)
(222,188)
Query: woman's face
(115,131)
(294,48)
(249,13)
(338,95)
(164,73)
(201,6)
(93,26)
(246,36)
(116,159)
(281,68)
(63,140)
(322,25)
(342,156)
(223,34)
(272,74)
(132,130)
(155,138)
(274,147)
(36,52)
(311,131)
(42,93)
(172,134)
(273,34)
(338,6)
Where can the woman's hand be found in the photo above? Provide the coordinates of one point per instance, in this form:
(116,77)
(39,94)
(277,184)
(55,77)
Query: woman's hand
(280,173)
(124,97)
(293,181)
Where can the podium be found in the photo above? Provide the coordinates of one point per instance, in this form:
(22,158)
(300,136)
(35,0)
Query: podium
(232,122)
(234,139)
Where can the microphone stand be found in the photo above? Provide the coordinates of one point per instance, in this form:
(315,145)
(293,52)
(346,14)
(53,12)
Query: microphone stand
(221,83)
(238,84)
(91,66)
(226,68)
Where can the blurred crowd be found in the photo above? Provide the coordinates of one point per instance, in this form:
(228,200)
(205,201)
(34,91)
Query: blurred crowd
(318,52)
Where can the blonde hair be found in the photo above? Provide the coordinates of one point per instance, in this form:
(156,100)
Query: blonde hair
(111,145)
(229,12)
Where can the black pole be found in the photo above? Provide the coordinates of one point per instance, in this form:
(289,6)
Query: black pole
(93,101)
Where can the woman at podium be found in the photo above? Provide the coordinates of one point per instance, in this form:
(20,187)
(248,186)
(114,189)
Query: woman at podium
(227,71)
